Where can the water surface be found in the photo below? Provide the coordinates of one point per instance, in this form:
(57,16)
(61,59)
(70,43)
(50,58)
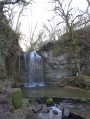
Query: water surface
(54,92)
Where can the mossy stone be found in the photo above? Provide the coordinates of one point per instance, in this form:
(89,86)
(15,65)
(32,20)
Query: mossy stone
(17,99)
(27,103)
(88,99)
(49,101)
(84,100)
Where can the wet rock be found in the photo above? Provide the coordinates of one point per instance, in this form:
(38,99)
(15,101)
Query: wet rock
(11,108)
(60,85)
(65,113)
(8,115)
(37,108)
(55,112)
(75,116)
(45,110)
(4,98)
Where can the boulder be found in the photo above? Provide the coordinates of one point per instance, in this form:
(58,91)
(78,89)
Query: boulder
(37,108)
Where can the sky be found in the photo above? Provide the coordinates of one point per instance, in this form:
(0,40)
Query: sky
(39,13)
(36,14)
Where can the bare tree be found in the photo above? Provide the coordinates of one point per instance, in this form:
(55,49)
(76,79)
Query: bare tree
(72,21)
(13,8)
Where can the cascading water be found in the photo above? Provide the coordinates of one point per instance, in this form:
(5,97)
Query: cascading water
(58,115)
(34,66)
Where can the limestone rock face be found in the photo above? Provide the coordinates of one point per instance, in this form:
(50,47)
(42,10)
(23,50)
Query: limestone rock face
(2,68)
(59,57)
(9,47)
(56,68)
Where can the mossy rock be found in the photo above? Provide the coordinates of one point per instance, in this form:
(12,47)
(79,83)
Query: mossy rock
(2,90)
(17,99)
(84,100)
(56,51)
(27,103)
(88,99)
(83,82)
(49,101)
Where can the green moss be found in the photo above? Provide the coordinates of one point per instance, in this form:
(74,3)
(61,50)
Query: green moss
(84,100)
(17,99)
(57,51)
(49,101)
(27,103)
(82,82)
(2,90)
(8,85)
(88,99)
(33,101)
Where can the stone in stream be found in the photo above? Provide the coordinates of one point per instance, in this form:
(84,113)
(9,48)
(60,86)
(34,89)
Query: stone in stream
(37,108)
(45,110)
(75,116)
(55,112)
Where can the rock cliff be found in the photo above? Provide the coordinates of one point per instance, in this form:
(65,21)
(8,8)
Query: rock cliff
(59,57)
(8,47)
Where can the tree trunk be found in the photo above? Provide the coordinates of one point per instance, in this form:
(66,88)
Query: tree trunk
(75,48)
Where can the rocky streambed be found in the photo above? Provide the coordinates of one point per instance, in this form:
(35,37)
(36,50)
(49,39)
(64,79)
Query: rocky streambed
(69,103)
(43,107)
(58,109)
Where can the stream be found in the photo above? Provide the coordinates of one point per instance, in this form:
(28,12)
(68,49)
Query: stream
(82,109)
(50,91)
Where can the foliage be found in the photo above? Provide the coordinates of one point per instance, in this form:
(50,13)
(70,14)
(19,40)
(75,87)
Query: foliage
(2,90)
(27,103)
(17,99)
(88,99)
(57,51)
(8,85)
(82,82)
(49,101)
(33,101)
(62,46)
(85,100)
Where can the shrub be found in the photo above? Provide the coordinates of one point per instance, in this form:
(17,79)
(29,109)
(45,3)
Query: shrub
(88,99)
(17,99)
(49,101)
(27,104)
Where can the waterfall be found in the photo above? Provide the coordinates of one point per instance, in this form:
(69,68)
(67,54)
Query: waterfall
(34,66)
(25,60)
